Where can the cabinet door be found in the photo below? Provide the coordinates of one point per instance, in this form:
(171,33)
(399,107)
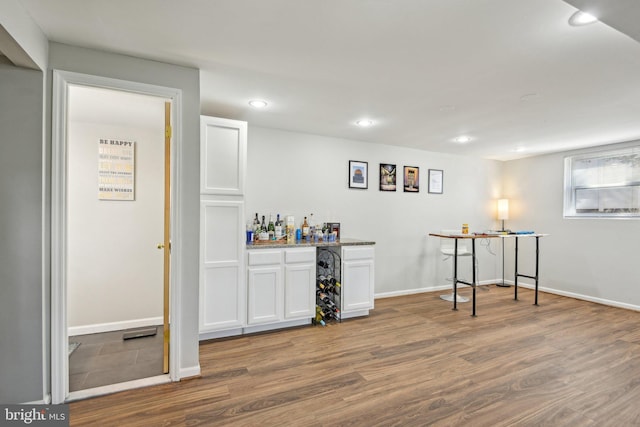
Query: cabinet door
(299,290)
(264,288)
(357,278)
(223,159)
(222,277)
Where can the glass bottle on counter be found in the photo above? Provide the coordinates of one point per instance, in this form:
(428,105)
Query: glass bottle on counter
(256,227)
(305,228)
(271,229)
(312,227)
(263,226)
(279,232)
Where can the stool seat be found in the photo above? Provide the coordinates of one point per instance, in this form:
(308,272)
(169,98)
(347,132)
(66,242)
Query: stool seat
(447,249)
(462,251)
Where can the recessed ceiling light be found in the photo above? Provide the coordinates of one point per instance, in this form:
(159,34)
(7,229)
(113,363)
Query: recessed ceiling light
(529,97)
(447,108)
(364,123)
(258,103)
(462,139)
(581,18)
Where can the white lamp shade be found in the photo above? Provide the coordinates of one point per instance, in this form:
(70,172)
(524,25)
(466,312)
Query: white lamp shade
(503,209)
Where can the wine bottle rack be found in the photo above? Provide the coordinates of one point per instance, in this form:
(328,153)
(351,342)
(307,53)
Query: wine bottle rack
(328,286)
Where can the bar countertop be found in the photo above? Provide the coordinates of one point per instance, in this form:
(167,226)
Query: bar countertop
(309,244)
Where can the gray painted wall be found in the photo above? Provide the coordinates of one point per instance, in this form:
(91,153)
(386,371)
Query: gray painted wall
(309,174)
(593,259)
(21,288)
(92,62)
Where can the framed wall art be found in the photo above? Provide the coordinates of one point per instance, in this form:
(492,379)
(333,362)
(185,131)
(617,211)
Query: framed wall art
(411,179)
(358,174)
(116,169)
(387,177)
(435,181)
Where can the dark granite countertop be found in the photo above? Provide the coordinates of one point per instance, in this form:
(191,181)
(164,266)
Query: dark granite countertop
(310,244)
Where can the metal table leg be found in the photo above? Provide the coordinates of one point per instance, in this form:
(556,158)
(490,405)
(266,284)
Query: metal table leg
(473,274)
(455,274)
(515,284)
(537,262)
(536,277)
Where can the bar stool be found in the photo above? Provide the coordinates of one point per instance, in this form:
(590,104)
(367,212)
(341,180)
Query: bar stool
(447,248)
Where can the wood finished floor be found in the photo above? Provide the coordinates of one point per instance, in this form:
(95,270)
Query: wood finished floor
(412,362)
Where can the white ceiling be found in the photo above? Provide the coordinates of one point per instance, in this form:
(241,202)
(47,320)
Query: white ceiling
(425,71)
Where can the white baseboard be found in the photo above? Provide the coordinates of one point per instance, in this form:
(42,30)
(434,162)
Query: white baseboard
(278,325)
(114,388)
(220,334)
(520,284)
(589,298)
(45,401)
(446,287)
(352,314)
(114,326)
(192,371)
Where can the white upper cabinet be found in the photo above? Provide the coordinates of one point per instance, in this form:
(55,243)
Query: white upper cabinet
(223,157)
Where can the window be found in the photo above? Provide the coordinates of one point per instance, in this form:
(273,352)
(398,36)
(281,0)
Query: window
(603,184)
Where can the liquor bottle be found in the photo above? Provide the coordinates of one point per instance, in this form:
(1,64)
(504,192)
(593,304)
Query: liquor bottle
(256,224)
(279,232)
(263,226)
(271,228)
(305,228)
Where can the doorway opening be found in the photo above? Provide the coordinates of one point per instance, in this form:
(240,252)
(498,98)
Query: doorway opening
(115,224)
(111,227)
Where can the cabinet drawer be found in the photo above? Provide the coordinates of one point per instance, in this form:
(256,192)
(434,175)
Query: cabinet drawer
(299,255)
(264,257)
(357,252)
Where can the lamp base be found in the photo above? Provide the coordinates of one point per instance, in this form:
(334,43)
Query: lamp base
(503,285)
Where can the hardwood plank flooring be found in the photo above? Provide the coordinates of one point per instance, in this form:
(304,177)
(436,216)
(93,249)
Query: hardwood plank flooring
(412,362)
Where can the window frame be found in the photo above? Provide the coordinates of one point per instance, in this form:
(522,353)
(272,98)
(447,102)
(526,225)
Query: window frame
(570,210)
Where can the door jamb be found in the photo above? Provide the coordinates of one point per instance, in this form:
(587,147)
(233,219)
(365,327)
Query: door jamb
(59,334)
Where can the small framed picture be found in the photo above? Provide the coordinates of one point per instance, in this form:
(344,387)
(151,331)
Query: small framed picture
(387,177)
(435,181)
(358,174)
(411,179)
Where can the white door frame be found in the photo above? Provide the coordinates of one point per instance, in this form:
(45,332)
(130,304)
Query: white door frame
(59,333)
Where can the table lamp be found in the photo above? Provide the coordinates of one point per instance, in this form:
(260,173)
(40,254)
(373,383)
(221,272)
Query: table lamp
(503,213)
